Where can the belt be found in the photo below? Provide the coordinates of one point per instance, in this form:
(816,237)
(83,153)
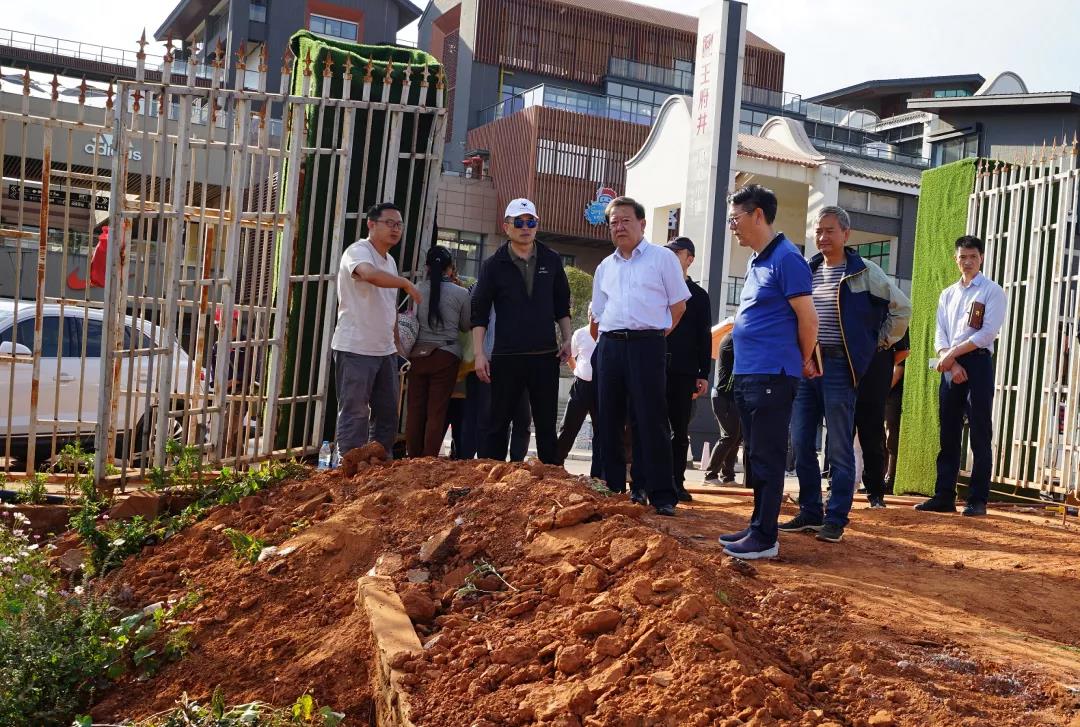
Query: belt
(625,334)
(832,350)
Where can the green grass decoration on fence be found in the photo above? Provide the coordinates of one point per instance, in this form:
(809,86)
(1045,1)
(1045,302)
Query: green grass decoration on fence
(319,181)
(943,210)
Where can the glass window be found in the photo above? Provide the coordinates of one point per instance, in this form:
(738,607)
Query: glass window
(333,27)
(878,252)
(567,260)
(24,335)
(465,247)
(76,325)
(257,11)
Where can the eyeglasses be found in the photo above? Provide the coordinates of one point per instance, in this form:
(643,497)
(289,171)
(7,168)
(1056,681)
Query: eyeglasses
(734,219)
(519,223)
(619,223)
(392,224)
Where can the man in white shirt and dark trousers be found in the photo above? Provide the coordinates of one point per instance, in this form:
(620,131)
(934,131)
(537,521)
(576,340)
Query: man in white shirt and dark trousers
(639,295)
(365,339)
(582,399)
(969,316)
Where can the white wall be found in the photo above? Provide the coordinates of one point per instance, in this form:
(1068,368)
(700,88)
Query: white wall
(656,176)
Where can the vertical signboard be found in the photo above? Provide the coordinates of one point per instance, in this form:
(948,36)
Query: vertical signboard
(718,68)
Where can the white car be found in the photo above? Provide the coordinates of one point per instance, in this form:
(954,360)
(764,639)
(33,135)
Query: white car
(68,390)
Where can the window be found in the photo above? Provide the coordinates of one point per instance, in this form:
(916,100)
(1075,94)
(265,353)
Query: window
(257,11)
(24,335)
(75,327)
(466,249)
(956,149)
(884,204)
(750,121)
(952,93)
(879,252)
(567,260)
(335,28)
(854,199)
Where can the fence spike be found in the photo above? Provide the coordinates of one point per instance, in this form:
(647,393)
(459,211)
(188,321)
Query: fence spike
(425,73)
(141,55)
(168,49)
(287,62)
(388,75)
(136,98)
(262,58)
(328,66)
(241,57)
(441,83)
(26,82)
(109,97)
(1075,144)
(219,53)
(348,68)
(161,104)
(83,88)
(307,63)
(55,83)
(369,67)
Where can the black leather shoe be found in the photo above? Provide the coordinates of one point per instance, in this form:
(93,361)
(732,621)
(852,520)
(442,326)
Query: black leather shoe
(684,496)
(974,509)
(638,497)
(665,510)
(936,505)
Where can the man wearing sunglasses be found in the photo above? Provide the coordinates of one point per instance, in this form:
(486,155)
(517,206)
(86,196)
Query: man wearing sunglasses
(525,282)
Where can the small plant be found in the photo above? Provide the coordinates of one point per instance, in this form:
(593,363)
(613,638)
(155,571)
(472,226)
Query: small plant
(33,490)
(182,471)
(481,568)
(246,547)
(304,712)
(599,487)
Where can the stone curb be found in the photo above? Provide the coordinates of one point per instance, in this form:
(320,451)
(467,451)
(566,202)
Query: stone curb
(392,635)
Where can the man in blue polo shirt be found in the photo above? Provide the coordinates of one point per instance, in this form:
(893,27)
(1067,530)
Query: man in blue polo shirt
(775,331)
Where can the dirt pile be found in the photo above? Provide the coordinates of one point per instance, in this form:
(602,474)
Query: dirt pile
(538,600)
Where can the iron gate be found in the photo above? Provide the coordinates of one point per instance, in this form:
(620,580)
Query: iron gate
(211,277)
(1027,214)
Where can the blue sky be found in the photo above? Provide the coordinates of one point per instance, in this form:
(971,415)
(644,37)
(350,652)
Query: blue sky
(829,43)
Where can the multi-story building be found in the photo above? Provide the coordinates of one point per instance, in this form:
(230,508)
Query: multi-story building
(257,24)
(551,98)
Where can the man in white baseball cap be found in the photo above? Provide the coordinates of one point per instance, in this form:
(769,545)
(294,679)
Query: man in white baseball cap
(525,282)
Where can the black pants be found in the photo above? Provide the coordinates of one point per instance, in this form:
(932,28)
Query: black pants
(972,400)
(722,459)
(680,398)
(765,402)
(477,422)
(628,376)
(582,403)
(894,408)
(512,375)
(870,420)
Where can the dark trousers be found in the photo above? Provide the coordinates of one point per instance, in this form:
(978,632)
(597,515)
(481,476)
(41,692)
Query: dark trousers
(477,421)
(431,383)
(628,376)
(764,402)
(680,398)
(894,408)
(972,400)
(511,377)
(722,459)
(870,420)
(455,421)
(582,403)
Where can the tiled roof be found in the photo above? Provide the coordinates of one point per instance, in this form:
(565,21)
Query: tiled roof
(654,16)
(762,148)
(877,169)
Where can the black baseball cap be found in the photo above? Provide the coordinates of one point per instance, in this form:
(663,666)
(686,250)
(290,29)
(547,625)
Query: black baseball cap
(681,243)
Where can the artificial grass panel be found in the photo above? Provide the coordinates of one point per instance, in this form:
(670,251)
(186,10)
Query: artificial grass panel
(319,182)
(943,209)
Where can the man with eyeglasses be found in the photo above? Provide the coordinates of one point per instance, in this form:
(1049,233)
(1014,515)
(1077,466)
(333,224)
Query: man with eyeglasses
(774,336)
(365,339)
(639,296)
(525,282)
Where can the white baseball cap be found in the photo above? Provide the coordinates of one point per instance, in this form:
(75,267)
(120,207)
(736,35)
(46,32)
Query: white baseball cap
(520,206)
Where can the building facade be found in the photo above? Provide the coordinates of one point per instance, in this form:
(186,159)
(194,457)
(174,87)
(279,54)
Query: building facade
(551,98)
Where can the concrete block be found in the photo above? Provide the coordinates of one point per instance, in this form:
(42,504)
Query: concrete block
(395,641)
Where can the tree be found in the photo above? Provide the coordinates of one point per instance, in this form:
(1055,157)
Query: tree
(580,295)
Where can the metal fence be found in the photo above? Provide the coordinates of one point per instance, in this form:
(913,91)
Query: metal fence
(1027,214)
(181,327)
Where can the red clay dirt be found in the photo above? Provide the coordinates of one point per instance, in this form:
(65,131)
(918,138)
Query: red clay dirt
(541,601)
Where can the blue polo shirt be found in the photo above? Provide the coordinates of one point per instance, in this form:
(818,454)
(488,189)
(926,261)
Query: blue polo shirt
(766,331)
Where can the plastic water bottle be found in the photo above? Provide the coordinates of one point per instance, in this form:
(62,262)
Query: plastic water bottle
(335,457)
(324,456)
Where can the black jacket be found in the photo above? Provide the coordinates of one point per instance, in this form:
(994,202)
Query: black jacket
(690,344)
(523,324)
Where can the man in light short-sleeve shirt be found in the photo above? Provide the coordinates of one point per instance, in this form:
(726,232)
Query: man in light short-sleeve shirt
(365,340)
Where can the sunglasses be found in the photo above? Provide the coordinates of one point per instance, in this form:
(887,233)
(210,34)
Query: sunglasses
(519,223)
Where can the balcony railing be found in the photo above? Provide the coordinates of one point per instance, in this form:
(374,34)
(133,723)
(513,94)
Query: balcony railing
(734,289)
(681,80)
(567,99)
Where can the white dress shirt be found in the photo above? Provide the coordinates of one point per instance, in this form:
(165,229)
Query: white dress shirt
(636,294)
(581,349)
(953,309)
